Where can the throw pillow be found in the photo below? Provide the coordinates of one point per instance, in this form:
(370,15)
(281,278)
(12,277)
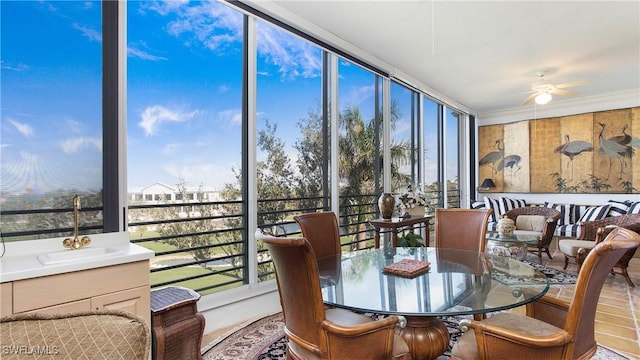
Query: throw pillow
(567,213)
(477,204)
(617,208)
(510,204)
(634,208)
(595,213)
(493,204)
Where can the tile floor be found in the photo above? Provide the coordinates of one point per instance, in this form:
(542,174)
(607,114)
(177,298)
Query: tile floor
(617,318)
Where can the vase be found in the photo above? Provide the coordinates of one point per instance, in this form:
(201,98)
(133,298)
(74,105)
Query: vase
(506,227)
(386,204)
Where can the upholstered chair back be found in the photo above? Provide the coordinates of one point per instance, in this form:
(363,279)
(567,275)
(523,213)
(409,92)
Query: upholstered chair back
(463,229)
(321,231)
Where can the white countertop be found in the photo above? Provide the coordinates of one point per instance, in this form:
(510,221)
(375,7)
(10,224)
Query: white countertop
(20,259)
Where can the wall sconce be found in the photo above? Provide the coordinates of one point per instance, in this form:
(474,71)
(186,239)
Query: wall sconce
(487,184)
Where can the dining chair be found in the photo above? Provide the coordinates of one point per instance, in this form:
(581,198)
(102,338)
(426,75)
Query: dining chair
(322,231)
(95,334)
(314,332)
(552,328)
(463,229)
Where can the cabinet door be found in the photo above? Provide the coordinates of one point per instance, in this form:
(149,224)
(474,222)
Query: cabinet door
(6,299)
(136,301)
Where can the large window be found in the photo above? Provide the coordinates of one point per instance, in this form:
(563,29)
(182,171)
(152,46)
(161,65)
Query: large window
(51,123)
(207,86)
(185,142)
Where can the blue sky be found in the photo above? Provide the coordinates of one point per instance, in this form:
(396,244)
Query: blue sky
(183,92)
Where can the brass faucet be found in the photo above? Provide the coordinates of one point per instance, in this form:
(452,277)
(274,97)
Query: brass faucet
(76,243)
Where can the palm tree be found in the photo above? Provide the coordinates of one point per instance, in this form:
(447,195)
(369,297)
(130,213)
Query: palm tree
(357,160)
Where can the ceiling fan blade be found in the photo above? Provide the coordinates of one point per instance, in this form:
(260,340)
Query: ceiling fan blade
(562,92)
(572,84)
(529,98)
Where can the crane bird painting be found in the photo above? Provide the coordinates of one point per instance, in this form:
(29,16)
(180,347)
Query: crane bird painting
(616,148)
(572,149)
(493,157)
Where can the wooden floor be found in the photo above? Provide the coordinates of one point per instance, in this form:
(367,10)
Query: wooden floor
(617,318)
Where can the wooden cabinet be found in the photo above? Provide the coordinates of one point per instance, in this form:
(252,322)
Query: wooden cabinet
(124,286)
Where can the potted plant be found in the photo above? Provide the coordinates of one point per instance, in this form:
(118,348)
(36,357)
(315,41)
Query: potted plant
(410,239)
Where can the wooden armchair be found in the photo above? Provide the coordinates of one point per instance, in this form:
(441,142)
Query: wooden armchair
(546,234)
(599,229)
(553,328)
(314,332)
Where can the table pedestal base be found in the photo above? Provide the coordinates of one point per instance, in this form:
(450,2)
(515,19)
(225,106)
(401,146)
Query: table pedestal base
(427,337)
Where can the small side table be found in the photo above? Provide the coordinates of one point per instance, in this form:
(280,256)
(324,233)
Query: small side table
(396,224)
(176,325)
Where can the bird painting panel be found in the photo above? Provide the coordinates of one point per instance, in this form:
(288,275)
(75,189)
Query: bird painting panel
(544,138)
(635,142)
(576,149)
(515,163)
(491,152)
(616,148)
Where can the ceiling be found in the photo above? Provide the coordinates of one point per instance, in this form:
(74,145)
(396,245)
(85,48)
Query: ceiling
(485,55)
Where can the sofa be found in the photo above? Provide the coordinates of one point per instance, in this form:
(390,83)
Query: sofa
(572,215)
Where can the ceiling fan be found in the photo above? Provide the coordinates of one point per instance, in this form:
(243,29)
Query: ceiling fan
(543,89)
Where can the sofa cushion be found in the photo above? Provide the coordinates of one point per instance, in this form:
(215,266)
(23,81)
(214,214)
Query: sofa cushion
(617,208)
(477,205)
(567,213)
(493,204)
(570,247)
(531,222)
(510,204)
(567,230)
(634,208)
(595,213)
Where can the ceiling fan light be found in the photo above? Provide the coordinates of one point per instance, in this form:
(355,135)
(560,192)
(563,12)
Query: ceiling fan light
(543,98)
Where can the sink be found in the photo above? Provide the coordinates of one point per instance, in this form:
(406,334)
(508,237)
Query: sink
(84,254)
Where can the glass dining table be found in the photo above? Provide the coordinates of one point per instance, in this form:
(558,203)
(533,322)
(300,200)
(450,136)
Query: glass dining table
(458,282)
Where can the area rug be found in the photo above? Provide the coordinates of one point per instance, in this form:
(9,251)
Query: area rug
(264,339)
(555,277)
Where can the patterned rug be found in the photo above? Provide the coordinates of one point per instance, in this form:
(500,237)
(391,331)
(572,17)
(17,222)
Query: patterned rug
(264,339)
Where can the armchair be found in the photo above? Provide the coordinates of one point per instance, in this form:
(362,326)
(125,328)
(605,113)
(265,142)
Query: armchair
(314,332)
(599,231)
(552,328)
(545,230)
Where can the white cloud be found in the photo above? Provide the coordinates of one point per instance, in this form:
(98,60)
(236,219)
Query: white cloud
(210,175)
(141,54)
(19,67)
(156,114)
(25,129)
(230,116)
(92,34)
(171,148)
(358,95)
(75,144)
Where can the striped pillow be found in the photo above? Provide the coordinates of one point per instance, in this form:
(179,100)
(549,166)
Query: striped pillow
(494,204)
(567,213)
(617,208)
(477,204)
(634,208)
(595,213)
(510,204)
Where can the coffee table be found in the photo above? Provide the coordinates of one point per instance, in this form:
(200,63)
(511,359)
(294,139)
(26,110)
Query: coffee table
(516,245)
